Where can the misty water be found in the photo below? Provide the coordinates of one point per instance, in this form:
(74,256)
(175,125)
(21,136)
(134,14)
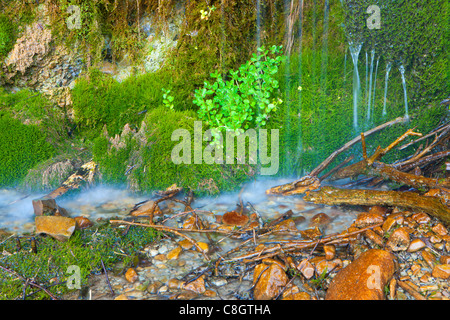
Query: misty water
(17,216)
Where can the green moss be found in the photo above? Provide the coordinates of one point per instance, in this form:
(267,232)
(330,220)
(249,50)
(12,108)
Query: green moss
(21,147)
(7,35)
(102,100)
(146,158)
(86,249)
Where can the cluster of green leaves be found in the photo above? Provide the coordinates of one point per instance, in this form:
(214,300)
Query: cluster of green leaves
(86,249)
(21,147)
(7,35)
(247,99)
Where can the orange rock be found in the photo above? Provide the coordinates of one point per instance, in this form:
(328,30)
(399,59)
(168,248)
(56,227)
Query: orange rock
(320,219)
(174,253)
(203,245)
(270,261)
(306,268)
(286,225)
(375,238)
(399,239)
(198,285)
(210,293)
(441,271)
(234,218)
(366,219)
(58,227)
(330,251)
(364,278)
(416,245)
(311,233)
(131,275)
(444,259)
(270,280)
(145,209)
(421,218)
(378,210)
(429,258)
(190,223)
(328,266)
(185,244)
(83,222)
(439,229)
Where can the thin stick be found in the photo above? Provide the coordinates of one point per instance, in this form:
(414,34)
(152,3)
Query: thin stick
(411,290)
(328,160)
(107,278)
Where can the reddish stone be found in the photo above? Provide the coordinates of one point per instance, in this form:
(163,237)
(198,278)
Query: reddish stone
(364,278)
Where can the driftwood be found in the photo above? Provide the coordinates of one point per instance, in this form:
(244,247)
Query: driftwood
(47,204)
(410,200)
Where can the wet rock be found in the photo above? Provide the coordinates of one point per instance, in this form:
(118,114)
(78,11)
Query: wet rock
(131,275)
(294,293)
(83,222)
(286,225)
(320,219)
(210,293)
(416,245)
(48,207)
(444,259)
(197,286)
(269,280)
(153,287)
(311,233)
(441,271)
(429,258)
(421,218)
(378,210)
(330,251)
(327,266)
(121,297)
(60,228)
(439,229)
(366,219)
(145,209)
(392,220)
(175,283)
(364,278)
(203,246)
(234,218)
(374,237)
(399,239)
(185,244)
(174,253)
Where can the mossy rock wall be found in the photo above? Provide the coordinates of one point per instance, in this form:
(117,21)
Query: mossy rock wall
(143,159)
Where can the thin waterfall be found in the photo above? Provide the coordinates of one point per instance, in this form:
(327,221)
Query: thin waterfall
(355,49)
(369,100)
(386,78)
(367,75)
(375,86)
(402,72)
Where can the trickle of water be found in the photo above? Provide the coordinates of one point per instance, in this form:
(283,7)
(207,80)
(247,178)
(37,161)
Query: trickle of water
(386,78)
(375,85)
(355,48)
(369,100)
(402,72)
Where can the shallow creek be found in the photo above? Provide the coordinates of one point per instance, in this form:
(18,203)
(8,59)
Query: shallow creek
(16,215)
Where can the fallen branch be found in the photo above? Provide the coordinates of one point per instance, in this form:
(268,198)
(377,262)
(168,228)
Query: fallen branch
(334,196)
(412,180)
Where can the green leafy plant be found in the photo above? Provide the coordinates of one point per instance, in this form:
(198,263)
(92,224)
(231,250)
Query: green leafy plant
(167,99)
(245,100)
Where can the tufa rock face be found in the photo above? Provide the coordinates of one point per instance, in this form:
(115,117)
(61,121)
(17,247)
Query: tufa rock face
(364,278)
